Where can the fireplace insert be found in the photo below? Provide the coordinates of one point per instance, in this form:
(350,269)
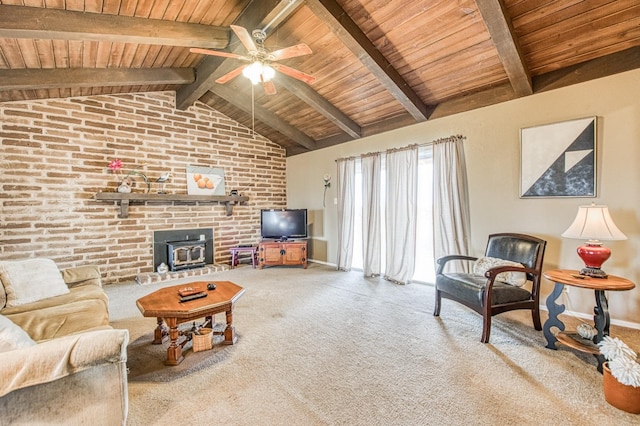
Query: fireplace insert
(185,254)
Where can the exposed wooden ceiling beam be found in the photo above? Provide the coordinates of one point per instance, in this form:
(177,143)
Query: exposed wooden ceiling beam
(279,14)
(341,24)
(320,104)
(498,22)
(56,24)
(387,125)
(229,94)
(614,63)
(24,79)
(250,18)
(373,129)
(604,66)
(492,96)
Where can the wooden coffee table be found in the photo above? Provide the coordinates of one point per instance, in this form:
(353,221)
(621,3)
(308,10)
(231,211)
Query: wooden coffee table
(165,304)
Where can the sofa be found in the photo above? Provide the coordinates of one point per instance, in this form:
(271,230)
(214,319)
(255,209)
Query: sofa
(61,361)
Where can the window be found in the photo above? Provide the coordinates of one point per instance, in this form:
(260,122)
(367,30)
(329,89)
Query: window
(425,263)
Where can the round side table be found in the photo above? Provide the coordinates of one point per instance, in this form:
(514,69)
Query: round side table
(601,319)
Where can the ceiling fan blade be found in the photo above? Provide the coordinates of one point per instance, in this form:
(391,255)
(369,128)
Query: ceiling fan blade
(291,52)
(269,88)
(245,38)
(231,75)
(218,53)
(291,72)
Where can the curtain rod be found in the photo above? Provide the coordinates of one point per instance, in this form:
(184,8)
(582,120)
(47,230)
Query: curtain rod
(434,142)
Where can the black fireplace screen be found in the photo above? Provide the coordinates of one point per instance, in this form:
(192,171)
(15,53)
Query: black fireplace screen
(185,254)
(196,238)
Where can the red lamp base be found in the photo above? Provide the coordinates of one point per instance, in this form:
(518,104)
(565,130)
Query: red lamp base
(593,254)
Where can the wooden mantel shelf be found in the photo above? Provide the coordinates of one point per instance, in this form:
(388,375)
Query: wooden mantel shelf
(125,199)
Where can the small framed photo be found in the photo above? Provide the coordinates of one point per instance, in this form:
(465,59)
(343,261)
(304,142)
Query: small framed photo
(559,159)
(205,181)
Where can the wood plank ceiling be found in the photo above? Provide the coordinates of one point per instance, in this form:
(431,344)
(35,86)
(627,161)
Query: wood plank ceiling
(378,64)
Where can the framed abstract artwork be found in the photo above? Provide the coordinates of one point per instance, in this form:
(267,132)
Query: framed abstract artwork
(558,159)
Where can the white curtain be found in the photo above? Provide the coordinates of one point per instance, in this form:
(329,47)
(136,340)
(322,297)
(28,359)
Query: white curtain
(401,213)
(346,182)
(450,199)
(371,166)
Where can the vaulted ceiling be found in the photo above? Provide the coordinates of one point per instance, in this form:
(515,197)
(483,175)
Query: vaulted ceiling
(378,64)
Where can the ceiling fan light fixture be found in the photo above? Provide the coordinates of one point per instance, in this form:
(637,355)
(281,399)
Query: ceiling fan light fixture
(267,73)
(258,72)
(259,60)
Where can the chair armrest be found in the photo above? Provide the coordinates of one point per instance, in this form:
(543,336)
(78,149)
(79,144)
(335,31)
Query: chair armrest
(82,275)
(58,358)
(493,272)
(443,260)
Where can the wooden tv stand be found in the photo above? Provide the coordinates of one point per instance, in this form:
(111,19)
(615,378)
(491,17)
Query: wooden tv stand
(276,253)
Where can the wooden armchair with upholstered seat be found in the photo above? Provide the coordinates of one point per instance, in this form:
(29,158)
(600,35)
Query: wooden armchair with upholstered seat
(498,282)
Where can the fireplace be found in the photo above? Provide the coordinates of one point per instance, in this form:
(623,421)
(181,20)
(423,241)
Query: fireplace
(182,249)
(185,254)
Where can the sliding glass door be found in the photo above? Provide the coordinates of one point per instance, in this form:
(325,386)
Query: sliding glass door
(424,268)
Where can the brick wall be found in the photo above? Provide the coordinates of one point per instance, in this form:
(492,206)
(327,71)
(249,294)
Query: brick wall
(54,159)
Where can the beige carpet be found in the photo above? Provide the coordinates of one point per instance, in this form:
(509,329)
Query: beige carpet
(322,347)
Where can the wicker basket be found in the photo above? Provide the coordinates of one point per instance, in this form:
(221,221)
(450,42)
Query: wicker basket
(204,340)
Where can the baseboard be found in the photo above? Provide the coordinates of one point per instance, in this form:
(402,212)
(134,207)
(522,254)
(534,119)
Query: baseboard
(321,262)
(620,323)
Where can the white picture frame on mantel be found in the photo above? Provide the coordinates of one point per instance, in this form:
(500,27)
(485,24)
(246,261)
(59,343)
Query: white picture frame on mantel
(202,180)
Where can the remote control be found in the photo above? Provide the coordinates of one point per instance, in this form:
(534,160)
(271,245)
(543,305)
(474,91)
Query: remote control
(193,296)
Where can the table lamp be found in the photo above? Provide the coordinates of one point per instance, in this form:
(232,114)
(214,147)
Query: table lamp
(593,223)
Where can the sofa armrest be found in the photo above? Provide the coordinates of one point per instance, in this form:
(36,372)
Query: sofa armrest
(58,358)
(82,275)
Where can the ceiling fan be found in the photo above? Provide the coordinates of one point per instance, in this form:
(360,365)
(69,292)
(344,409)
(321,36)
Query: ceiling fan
(261,64)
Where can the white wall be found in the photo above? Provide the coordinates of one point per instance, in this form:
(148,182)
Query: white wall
(492,151)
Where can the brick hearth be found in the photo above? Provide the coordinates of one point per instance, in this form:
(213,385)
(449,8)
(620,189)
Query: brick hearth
(154,277)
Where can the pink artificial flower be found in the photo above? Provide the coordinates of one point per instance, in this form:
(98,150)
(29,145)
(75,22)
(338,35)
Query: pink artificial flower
(115,165)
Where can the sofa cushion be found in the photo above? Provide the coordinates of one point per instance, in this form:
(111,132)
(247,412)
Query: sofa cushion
(83,308)
(82,275)
(30,280)
(13,337)
(483,264)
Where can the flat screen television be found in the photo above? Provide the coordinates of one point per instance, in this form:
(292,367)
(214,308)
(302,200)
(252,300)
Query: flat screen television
(283,224)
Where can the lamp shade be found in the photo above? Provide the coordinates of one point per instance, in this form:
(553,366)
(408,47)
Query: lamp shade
(594,223)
